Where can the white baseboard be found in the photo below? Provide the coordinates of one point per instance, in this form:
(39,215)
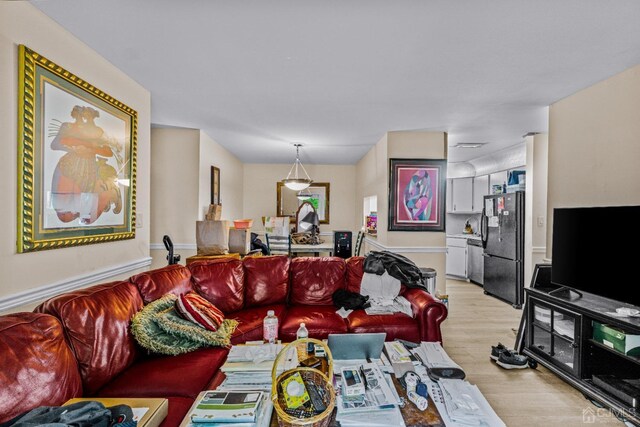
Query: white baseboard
(406,249)
(178,246)
(47,291)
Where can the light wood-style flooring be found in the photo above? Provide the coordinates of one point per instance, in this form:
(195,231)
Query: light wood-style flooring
(523,397)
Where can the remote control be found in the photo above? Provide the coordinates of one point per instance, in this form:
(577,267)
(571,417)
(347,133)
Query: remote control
(316,400)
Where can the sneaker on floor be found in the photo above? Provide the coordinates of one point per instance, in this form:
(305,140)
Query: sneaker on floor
(496,351)
(511,360)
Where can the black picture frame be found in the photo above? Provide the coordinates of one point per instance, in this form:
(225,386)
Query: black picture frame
(417,194)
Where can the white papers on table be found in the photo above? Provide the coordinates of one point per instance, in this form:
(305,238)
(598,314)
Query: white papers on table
(263,416)
(254,353)
(466,406)
(433,356)
(397,352)
(382,363)
(138,413)
(391,417)
(378,394)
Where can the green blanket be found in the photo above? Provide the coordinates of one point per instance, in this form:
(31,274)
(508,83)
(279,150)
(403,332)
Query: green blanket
(159,328)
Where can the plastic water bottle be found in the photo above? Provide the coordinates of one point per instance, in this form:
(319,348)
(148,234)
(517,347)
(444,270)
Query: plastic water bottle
(303,332)
(270,328)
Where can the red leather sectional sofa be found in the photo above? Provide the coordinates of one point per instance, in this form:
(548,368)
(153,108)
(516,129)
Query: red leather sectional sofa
(79,344)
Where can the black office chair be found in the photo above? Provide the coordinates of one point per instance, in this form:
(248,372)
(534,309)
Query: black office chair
(173,259)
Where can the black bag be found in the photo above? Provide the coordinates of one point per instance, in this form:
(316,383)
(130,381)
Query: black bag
(350,300)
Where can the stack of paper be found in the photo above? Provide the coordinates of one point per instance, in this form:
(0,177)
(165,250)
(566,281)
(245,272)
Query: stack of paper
(248,367)
(231,409)
(466,406)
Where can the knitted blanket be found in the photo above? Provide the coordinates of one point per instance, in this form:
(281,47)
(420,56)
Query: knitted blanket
(160,329)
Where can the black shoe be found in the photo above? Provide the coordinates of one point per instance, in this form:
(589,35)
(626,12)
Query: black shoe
(496,351)
(509,359)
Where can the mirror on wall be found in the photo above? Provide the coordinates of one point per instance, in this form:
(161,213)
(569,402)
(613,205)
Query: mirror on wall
(317,194)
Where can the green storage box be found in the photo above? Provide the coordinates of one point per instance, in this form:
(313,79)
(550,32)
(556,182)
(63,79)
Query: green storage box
(616,339)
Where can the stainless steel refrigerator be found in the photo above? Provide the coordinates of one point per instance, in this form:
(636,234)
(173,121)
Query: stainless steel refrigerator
(502,229)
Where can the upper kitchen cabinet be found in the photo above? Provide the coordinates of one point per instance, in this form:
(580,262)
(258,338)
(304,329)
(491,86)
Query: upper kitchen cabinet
(480,189)
(498,178)
(462,195)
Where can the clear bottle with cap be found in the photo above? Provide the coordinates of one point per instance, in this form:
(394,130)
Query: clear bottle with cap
(270,328)
(303,349)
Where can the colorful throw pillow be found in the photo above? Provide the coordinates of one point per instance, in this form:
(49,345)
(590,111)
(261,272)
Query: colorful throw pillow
(195,308)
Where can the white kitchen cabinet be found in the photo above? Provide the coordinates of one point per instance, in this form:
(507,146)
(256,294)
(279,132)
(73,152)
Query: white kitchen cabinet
(480,189)
(449,195)
(457,257)
(497,178)
(462,195)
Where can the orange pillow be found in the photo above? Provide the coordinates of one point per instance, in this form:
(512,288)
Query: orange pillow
(195,308)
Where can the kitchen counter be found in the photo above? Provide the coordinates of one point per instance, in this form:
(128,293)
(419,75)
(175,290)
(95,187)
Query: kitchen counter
(464,236)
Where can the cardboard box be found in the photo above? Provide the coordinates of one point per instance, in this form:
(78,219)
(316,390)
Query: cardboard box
(239,240)
(616,339)
(158,408)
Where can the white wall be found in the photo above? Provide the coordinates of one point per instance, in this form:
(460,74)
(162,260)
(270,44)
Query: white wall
(259,194)
(174,193)
(594,147)
(181,162)
(21,23)
(231,179)
(426,249)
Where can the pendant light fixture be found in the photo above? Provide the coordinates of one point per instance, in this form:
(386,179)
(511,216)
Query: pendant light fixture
(304,194)
(296,182)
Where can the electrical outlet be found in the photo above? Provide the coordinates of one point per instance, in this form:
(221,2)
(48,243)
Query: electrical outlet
(139,222)
(540,221)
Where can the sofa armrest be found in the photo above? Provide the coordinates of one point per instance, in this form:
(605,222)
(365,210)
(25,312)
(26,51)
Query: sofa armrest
(428,311)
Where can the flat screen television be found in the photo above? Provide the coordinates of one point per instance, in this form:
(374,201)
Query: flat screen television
(594,250)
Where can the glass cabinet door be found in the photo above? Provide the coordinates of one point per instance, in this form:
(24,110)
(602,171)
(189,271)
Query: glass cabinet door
(552,333)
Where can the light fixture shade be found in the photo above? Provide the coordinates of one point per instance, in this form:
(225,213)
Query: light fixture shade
(310,220)
(295,182)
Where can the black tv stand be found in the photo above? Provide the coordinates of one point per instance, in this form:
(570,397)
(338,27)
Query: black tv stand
(558,334)
(571,294)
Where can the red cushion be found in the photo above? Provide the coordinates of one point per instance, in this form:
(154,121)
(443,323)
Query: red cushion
(96,323)
(37,367)
(221,281)
(172,279)
(184,375)
(315,279)
(198,310)
(250,322)
(355,270)
(178,408)
(397,325)
(266,280)
(320,321)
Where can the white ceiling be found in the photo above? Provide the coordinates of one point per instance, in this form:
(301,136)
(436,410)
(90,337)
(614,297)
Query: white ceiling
(258,76)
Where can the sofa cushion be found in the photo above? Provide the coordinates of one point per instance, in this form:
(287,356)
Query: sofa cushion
(221,281)
(250,322)
(183,375)
(315,279)
(397,325)
(319,320)
(355,270)
(178,408)
(266,280)
(96,323)
(37,367)
(172,279)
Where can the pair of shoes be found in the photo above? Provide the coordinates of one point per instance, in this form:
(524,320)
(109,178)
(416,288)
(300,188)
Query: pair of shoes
(510,359)
(496,351)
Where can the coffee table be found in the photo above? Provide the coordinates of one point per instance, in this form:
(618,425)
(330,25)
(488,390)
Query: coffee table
(413,417)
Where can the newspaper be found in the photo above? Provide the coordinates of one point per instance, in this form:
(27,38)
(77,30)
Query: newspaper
(379,395)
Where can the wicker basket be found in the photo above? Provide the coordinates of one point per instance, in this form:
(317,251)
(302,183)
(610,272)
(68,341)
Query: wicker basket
(315,376)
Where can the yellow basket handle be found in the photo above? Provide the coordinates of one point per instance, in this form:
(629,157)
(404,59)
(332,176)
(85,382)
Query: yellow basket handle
(285,350)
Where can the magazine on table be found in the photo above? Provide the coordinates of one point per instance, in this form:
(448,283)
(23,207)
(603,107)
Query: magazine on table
(226,407)
(380,393)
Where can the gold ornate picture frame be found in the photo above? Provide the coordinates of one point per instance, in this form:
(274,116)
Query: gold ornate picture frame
(76,159)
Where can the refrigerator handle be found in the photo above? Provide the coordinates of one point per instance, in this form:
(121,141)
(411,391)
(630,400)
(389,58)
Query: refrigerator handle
(484,221)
